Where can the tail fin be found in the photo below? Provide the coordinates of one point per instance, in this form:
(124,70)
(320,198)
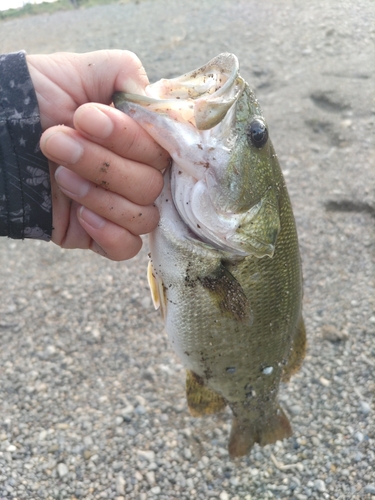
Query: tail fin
(244,433)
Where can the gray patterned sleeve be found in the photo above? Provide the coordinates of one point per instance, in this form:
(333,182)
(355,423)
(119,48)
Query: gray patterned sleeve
(25,194)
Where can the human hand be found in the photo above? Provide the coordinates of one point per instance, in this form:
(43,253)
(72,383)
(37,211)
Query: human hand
(105,169)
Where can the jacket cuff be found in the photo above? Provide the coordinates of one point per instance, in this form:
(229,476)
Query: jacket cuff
(25,192)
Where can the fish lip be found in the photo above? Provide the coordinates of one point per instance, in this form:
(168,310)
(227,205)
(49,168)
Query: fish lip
(207,108)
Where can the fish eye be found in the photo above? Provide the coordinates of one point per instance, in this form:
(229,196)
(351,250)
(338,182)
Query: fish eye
(257,133)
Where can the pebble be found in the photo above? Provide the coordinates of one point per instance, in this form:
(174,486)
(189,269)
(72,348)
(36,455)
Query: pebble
(140,410)
(116,466)
(324,382)
(146,302)
(180,479)
(120,484)
(333,334)
(148,455)
(234,481)
(88,441)
(62,469)
(315,441)
(119,421)
(150,477)
(138,476)
(370,488)
(156,490)
(294,482)
(141,400)
(42,435)
(365,407)
(295,409)
(87,454)
(189,483)
(319,485)
(224,495)
(359,436)
(128,410)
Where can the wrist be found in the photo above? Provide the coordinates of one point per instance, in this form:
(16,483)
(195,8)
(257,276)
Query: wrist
(25,169)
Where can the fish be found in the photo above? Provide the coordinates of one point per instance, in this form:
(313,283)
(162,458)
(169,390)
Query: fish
(225,266)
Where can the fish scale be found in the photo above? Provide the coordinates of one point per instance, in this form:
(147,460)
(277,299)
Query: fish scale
(225,266)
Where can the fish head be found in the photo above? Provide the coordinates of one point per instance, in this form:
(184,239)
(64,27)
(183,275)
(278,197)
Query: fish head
(223,174)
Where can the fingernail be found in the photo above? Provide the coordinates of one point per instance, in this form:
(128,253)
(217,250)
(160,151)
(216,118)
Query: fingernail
(133,87)
(63,147)
(94,122)
(92,219)
(71,183)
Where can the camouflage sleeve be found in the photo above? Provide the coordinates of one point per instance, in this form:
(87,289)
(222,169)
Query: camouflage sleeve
(25,194)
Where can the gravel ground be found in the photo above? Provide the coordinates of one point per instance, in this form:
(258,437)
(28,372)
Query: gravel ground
(92,397)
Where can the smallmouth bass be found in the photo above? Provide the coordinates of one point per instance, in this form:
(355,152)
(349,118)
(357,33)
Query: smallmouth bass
(225,266)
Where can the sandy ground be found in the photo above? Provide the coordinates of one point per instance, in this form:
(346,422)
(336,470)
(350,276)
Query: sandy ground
(92,398)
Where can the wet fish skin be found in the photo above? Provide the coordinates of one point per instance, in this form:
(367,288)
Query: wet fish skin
(231,304)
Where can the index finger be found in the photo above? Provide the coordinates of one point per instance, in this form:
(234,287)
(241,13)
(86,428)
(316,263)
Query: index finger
(116,131)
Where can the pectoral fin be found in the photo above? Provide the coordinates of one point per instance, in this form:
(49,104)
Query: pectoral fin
(228,294)
(157,289)
(200,399)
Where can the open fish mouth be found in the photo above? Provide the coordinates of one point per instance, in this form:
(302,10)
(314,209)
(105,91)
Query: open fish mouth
(201,97)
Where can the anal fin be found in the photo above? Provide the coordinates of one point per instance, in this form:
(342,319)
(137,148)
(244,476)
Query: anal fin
(200,399)
(244,433)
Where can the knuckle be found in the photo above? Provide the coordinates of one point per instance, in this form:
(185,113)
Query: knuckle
(143,223)
(153,186)
(132,61)
(121,245)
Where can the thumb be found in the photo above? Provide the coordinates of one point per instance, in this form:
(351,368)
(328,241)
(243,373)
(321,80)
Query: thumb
(106,71)
(64,81)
